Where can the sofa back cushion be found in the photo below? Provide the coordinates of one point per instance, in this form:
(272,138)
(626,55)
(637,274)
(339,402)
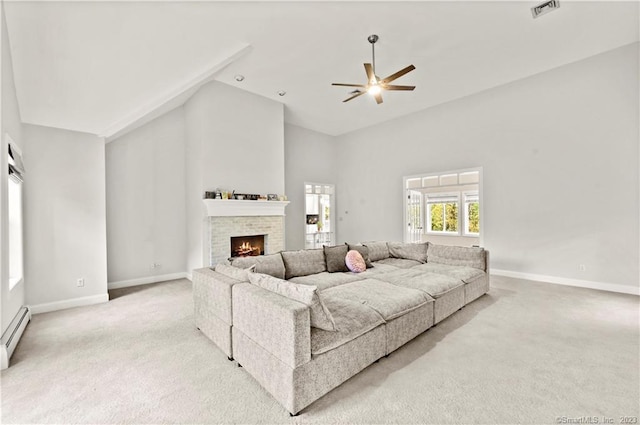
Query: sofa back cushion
(377,250)
(268,264)
(457,256)
(364,251)
(320,316)
(335,257)
(408,251)
(303,262)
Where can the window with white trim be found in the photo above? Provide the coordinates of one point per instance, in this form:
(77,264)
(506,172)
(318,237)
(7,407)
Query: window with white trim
(471,214)
(442,213)
(14,191)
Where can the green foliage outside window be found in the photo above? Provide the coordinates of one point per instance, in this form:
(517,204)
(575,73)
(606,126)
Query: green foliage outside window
(452,217)
(474,218)
(438,218)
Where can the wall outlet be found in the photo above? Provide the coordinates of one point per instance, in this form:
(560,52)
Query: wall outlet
(80,282)
(582,268)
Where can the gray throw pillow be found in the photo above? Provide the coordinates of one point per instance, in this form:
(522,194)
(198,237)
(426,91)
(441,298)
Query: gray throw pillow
(303,262)
(320,316)
(268,264)
(234,272)
(335,256)
(364,251)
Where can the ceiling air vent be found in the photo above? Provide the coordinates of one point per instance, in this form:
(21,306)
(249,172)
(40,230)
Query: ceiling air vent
(545,7)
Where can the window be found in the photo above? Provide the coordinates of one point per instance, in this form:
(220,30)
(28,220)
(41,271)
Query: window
(471,214)
(14,191)
(442,213)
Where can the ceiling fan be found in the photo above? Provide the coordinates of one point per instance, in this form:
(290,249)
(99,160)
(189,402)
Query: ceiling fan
(375,84)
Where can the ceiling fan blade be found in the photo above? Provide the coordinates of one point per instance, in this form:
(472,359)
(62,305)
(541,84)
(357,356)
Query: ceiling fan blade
(354,96)
(348,85)
(371,77)
(392,87)
(397,74)
(378,97)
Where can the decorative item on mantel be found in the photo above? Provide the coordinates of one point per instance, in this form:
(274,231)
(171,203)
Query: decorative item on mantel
(225,194)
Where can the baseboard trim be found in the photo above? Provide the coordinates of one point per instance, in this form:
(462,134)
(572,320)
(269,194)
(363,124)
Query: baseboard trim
(190,277)
(602,286)
(146,280)
(71,303)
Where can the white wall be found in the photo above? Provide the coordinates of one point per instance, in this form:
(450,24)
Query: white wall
(65,218)
(235,141)
(559,152)
(10,123)
(309,157)
(146,222)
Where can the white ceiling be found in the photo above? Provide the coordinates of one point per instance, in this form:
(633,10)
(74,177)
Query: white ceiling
(98,66)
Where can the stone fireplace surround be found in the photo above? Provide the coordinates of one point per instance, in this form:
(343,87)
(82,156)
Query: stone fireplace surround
(227,218)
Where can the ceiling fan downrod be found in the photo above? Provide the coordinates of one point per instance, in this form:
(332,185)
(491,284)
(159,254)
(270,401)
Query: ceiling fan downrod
(372,39)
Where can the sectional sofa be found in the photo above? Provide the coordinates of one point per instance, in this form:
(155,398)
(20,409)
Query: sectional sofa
(301,324)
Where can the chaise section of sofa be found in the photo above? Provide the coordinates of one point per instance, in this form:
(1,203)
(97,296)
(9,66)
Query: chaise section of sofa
(297,364)
(212,306)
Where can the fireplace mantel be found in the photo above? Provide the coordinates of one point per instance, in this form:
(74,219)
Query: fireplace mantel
(243,208)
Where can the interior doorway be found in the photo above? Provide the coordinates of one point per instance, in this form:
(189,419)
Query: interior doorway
(319,222)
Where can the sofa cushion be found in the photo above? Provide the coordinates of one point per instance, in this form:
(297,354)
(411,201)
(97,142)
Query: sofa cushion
(377,250)
(355,262)
(303,262)
(465,274)
(319,314)
(271,264)
(409,251)
(432,284)
(327,280)
(456,256)
(234,272)
(352,319)
(378,267)
(335,257)
(390,301)
(364,251)
(400,263)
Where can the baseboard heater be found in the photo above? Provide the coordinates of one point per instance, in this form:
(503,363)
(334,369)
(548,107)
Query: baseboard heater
(12,335)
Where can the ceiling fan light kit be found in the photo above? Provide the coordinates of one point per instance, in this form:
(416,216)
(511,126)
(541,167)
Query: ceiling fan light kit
(375,85)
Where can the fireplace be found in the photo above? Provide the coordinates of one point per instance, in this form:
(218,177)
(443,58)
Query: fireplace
(247,246)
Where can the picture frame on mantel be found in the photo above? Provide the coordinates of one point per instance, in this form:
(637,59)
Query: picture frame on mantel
(272,197)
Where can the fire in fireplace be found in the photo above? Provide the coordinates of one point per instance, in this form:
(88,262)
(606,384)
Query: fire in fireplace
(246,246)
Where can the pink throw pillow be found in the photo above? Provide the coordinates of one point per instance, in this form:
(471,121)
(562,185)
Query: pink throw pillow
(355,262)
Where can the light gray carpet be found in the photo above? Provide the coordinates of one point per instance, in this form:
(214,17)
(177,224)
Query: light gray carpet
(527,352)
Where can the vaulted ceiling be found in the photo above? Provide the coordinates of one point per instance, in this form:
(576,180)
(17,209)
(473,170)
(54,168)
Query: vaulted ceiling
(98,66)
